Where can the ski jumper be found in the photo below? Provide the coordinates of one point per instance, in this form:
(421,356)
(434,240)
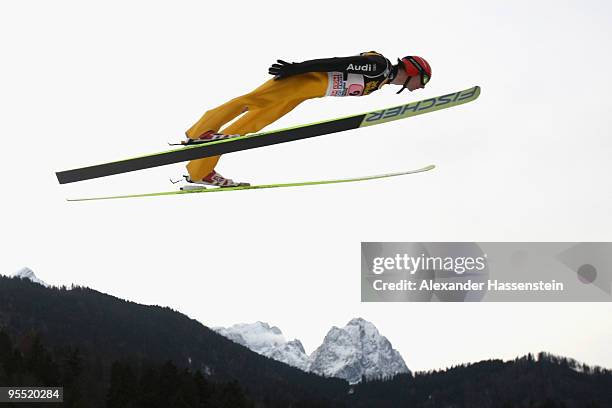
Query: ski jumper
(347,76)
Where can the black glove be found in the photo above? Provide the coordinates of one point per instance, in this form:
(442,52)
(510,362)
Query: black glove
(283,69)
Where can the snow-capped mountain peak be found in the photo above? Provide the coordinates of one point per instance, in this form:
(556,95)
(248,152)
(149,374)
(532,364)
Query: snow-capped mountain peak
(362,327)
(291,353)
(355,350)
(27,273)
(268,341)
(257,336)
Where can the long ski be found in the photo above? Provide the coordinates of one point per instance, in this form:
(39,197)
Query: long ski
(256,140)
(261,186)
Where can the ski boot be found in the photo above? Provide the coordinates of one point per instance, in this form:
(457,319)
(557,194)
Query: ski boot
(213,179)
(208,136)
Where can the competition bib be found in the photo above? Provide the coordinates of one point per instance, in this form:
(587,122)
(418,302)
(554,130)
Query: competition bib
(337,86)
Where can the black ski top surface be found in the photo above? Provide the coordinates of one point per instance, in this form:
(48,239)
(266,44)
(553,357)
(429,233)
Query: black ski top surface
(208,150)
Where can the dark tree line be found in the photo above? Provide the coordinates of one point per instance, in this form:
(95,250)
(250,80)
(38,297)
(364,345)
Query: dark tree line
(148,386)
(109,329)
(108,352)
(166,386)
(545,381)
(31,364)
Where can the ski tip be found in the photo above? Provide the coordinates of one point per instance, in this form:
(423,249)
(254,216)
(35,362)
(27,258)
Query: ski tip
(421,170)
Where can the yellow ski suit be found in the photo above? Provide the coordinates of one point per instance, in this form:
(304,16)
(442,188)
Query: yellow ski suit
(261,107)
(348,76)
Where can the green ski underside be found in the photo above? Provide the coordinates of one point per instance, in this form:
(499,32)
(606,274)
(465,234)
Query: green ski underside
(261,186)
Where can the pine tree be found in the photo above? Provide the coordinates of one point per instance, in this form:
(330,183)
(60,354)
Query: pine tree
(122,391)
(40,364)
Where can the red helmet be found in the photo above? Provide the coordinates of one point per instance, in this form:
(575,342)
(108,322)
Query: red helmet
(414,66)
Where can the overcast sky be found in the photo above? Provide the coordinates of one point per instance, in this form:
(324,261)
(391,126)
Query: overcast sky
(84,82)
